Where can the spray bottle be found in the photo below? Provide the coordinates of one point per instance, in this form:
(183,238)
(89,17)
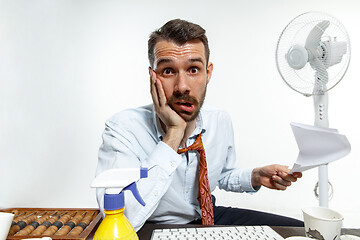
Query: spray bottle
(115,181)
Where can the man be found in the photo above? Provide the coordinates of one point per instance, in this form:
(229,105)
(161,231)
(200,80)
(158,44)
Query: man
(151,137)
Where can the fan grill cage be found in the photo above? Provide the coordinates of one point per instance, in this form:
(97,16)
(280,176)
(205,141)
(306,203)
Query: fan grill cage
(296,32)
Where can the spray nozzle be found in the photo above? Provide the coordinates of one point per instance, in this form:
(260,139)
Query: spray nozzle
(133,188)
(116,181)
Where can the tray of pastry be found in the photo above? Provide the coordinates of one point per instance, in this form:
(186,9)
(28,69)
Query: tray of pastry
(56,223)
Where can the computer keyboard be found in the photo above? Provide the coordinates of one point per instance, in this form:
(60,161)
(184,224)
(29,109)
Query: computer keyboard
(221,232)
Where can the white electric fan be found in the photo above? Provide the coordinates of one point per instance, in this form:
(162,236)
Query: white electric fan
(312,56)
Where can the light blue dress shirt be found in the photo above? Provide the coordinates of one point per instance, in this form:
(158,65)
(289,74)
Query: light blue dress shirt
(132,138)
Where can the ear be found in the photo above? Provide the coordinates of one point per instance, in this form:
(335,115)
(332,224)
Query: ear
(209,70)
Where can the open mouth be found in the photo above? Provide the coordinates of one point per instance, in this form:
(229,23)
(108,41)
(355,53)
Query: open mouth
(186,106)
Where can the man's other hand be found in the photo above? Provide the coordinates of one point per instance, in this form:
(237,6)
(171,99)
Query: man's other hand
(274,177)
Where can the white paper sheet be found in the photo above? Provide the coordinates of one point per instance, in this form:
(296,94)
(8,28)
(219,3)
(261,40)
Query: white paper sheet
(318,146)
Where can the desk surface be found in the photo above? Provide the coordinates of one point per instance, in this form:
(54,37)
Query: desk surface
(146,231)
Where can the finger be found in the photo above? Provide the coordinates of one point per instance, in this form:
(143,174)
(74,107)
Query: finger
(153,90)
(160,93)
(297,174)
(282,168)
(286,170)
(291,177)
(276,185)
(287,177)
(152,74)
(280,187)
(280,181)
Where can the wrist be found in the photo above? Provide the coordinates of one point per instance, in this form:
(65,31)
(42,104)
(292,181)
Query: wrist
(255,178)
(173,137)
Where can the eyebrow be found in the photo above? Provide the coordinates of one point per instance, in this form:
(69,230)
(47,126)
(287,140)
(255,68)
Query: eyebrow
(163,60)
(167,60)
(197,60)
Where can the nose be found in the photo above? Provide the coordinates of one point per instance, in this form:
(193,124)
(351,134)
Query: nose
(182,83)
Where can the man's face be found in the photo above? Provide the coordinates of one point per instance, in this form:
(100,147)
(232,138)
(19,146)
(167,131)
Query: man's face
(184,75)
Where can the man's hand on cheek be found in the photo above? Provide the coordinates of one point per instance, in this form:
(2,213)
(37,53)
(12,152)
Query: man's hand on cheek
(167,115)
(175,125)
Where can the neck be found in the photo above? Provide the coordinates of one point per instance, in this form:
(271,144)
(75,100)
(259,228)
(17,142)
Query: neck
(190,127)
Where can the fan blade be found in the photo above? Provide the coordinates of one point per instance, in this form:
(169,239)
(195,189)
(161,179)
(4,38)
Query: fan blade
(321,77)
(314,37)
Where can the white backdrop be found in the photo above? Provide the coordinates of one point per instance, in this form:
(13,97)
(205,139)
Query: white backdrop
(66,66)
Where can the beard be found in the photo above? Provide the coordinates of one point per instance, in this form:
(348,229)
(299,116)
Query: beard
(197,103)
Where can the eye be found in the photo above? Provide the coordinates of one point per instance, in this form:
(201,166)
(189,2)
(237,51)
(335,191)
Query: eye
(194,70)
(168,71)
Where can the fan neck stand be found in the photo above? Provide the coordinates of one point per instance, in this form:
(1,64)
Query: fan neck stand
(321,120)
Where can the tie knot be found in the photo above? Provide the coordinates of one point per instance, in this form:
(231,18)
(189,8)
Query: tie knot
(197,146)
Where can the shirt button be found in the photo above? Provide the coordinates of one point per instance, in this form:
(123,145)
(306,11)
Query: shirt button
(156,193)
(173,164)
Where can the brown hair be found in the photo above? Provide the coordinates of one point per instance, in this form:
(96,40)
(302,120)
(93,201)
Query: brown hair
(178,31)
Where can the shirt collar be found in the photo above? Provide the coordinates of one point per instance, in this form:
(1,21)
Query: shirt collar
(161,134)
